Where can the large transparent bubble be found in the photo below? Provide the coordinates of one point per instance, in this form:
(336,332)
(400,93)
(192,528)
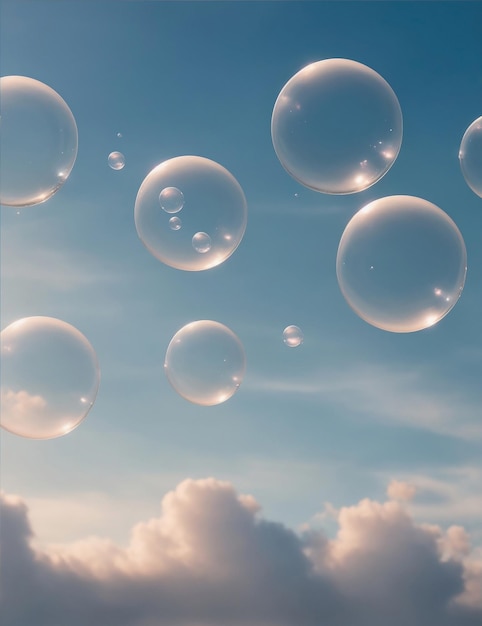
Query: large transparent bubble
(401,263)
(470,156)
(205,362)
(49,377)
(213,210)
(337,126)
(38,141)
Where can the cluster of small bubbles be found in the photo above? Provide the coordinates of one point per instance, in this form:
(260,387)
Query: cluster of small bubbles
(214,213)
(50,377)
(205,362)
(38,141)
(292,336)
(401,263)
(337,126)
(116,160)
(470,156)
(201,242)
(175,223)
(171,199)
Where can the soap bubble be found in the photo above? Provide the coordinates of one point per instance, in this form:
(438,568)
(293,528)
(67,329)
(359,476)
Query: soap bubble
(201,242)
(470,156)
(401,263)
(337,126)
(116,160)
(292,336)
(38,141)
(214,203)
(205,362)
(175,223)
(171,200)
(49,377)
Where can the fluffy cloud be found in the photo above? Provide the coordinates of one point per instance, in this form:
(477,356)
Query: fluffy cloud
(209,559)
(399,490)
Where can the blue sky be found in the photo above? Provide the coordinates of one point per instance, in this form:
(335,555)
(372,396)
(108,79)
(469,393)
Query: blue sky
(332,421)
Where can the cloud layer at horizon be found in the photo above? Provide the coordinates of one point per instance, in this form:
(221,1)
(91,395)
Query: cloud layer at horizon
(210,559)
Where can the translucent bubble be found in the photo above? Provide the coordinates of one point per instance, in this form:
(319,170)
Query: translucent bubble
(38,141)
(470,156)
(214,203)
(205,362)
(401,264)
(116,160)
(49,377)
(119,135)
(292,336)
(175,223)
(171,199)
(201,242)
(337,126)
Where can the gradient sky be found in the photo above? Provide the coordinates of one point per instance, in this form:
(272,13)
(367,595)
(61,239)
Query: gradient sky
(336,420)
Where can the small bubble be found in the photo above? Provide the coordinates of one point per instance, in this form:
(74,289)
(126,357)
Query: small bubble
(292,336)
(171,199)
(201,242)
(116,160)
(175,223)
(119,135)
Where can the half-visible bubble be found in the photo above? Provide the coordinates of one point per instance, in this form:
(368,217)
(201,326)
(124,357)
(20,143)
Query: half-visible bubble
(38,141)
(49,377)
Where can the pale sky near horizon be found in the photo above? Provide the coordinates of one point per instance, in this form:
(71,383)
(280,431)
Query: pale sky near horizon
(335,420)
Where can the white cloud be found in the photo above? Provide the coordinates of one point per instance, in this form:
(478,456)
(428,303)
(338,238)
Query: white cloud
(209,559)
(19,405)
(400,490)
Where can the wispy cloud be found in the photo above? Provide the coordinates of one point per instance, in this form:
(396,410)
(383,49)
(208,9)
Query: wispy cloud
(448,494)
(387,394)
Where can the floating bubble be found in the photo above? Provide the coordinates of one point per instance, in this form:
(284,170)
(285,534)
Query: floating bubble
(116,160)
(119,135)
(337,126)
(171,200)
(214,203)
(49,377)
(175,223)
(201,242)
(292,336)
(470,156)
(38,141)
(205,362)
(401,263)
